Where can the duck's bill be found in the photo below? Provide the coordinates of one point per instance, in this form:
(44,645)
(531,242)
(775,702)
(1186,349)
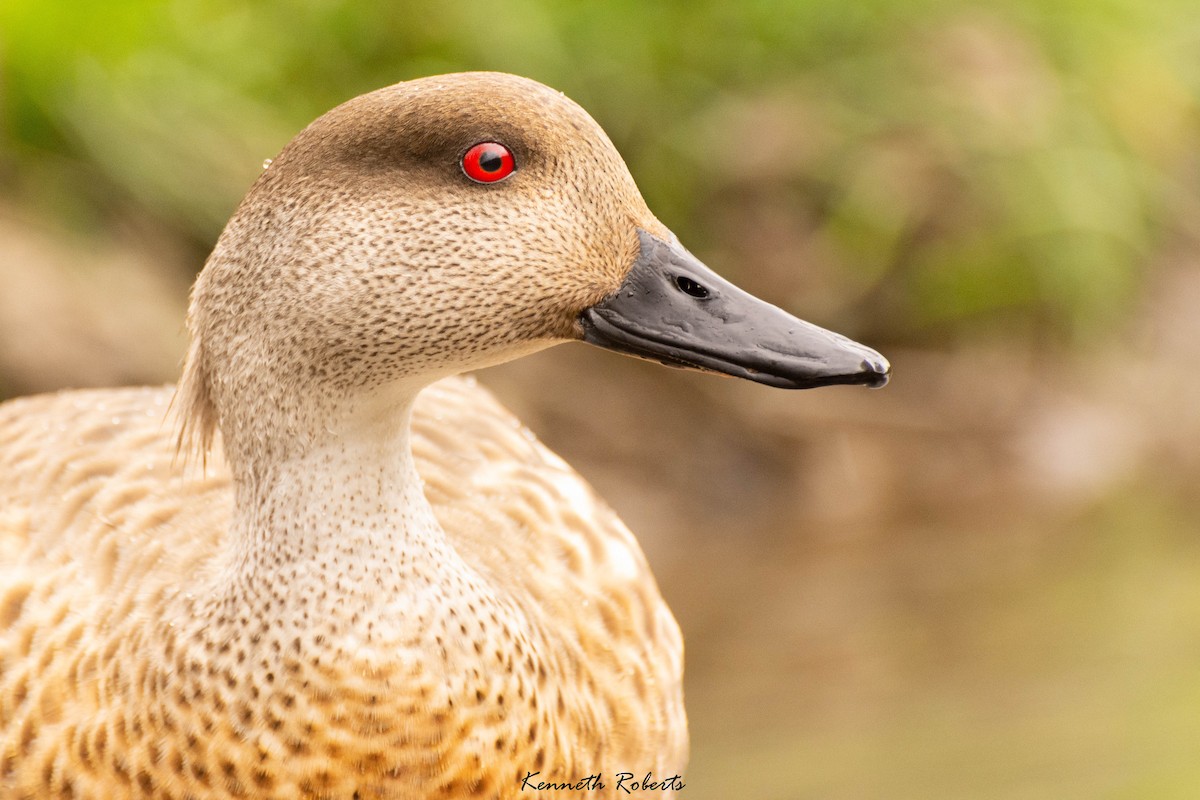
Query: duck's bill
(674,310)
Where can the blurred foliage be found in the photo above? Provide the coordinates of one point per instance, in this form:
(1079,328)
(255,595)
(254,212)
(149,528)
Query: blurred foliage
(940,165)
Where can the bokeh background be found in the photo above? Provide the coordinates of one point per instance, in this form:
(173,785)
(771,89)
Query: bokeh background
(980,582)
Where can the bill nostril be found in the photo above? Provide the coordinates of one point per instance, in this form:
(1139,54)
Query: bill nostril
(689,286)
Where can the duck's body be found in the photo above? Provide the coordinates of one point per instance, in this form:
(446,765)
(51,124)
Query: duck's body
(132,661)
(341,604)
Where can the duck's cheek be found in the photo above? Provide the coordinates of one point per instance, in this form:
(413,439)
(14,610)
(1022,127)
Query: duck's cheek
(674,310)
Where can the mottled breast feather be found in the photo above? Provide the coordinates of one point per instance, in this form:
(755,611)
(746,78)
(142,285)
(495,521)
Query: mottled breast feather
(113,684)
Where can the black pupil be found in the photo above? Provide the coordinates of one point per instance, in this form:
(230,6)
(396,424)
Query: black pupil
(491,160)
(689,286)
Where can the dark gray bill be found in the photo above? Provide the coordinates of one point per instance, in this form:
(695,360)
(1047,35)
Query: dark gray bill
(674,310)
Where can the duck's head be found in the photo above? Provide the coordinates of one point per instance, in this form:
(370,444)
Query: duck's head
(384,248)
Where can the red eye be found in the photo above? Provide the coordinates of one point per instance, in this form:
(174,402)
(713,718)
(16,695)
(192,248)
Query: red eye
(488,162)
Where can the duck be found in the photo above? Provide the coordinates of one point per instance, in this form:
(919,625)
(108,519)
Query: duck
(328,563)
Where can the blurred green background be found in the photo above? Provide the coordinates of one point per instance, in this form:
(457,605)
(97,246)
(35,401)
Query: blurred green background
(981,582)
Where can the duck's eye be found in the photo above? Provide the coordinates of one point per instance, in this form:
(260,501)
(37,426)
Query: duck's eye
(488,162)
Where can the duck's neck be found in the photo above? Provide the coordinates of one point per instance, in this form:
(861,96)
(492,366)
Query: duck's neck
(347,512)
(338,626)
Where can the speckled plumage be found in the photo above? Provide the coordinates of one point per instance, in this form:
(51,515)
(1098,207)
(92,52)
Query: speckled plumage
(333,605)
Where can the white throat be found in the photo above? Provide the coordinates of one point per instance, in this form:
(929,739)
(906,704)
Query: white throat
(349,509)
